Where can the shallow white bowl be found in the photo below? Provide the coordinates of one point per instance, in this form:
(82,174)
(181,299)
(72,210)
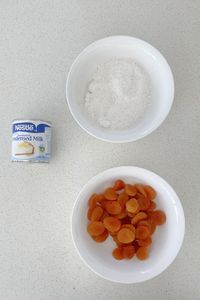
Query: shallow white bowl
(167,239)
(161,78)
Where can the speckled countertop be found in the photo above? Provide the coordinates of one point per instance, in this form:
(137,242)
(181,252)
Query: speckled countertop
(38,42)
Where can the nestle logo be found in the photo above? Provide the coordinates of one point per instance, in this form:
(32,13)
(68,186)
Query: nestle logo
(24,127)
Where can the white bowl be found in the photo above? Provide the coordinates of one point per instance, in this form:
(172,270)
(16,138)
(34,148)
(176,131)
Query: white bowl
(167,239)
(162,85)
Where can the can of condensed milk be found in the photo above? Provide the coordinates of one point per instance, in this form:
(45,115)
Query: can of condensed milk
(31,140)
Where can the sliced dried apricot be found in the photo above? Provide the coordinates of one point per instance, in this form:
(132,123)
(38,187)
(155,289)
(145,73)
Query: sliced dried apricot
(130,190)
(132,206)
(101,238)
(110,194)
(96,213)
(130,226)
(158,217)
(112,224)
(146,242)
(144,203)
(140,216)
(131,215)
(113,207)
(152,206)
(115,239)
(89,213)
(142,253)
(121,215)
(118,253)
(144,223)
(126,235)
(142,232)
(119,185)
(128,251)
(93,201)
(151,193)
(122,199)
(95,228)
(140,189)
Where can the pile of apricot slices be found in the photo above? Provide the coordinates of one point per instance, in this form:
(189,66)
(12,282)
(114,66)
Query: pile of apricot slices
(127,213)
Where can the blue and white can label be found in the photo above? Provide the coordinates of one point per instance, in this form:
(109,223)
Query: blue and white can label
(31,140)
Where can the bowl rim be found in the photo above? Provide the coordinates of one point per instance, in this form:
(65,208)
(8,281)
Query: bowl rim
(181,215)
(171,84)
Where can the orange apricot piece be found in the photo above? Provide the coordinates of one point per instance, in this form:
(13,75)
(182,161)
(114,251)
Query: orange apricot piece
(122,199)
(121,215)
(143,202)
(92,201)
(110,194)
(112,224)
(128,251)
(146,242)
(89,213)
(130,226)
(142,253)
(142,232)
(119,185)
(118,253)
(140,189)
(130,190)
(96,213)
(151,193)
(140,216)
(158,217)
(95,228)
(132,206)
(113,207)
(144,223)
(131,215)
(115,239)
(101,238)
(152,206)
(126,235)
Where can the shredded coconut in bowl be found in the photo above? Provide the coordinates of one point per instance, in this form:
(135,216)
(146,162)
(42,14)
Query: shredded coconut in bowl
(118,94)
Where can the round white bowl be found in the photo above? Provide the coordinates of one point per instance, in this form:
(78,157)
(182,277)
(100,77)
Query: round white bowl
(161,78)
(167,239)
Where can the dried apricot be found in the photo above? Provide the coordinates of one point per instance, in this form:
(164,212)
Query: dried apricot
(122,199)
(140,189)
(118,253)
(130,226)
(89,213)
(142,253)
(93,201)
(113,207)
(126,235)
(115,239)
(128,251)
(142,232)
(95,228)
(130,190)
(140,216)
(101,238)
(131,215)
(96,213)
(112,224)
(146,242)
(110,194)
(132,206)
(151,193)
(158,217)
(152,206)
(119,185)
(143,202)
(121,215)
